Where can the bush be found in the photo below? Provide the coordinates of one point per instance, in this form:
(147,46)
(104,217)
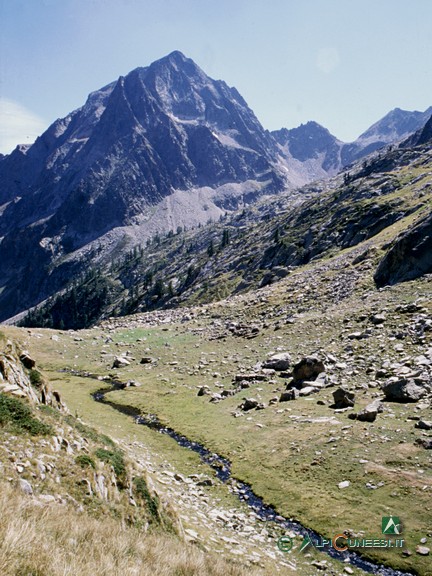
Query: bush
(36,378)
(16,414)
(151,502)
(85,461)
(115,458)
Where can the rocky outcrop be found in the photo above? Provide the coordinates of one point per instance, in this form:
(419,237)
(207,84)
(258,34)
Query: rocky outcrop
(19,378)
(410,256)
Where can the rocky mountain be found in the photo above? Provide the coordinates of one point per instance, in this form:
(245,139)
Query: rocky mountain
(388,196)
(312,145)
(165,146)
(159,150)
(324,154)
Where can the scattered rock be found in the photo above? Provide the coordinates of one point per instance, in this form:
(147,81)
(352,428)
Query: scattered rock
(147,360)
(249,404)
(369,413)
(252,377)
(203,390)
(343,484)
(343,398)
(308,390)
(25,487)
(422,550)
(424,442)
(378,319)
(120,362)
(424,424)
(27,360)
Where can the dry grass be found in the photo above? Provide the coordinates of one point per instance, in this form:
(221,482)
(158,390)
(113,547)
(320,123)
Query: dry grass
(54,540)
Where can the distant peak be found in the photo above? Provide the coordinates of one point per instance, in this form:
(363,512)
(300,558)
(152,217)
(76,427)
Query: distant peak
(175,58)
(176,55)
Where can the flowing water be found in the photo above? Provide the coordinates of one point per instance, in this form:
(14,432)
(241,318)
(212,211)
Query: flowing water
(222,468)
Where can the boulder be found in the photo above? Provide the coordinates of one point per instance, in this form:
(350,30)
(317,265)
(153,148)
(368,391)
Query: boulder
(424,442)
(369,413)
(203,390)
(249,404)
(308,390)
(343,398)
(27,360)
(402,390)
(378,319)
(120,362)
(424,424)
(147,360)
(25,487)
(288,395)
(308,368)
(278,362)
(422,550)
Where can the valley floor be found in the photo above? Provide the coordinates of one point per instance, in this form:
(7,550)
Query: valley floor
(294,454)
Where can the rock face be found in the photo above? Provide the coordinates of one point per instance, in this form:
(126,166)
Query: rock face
(409,257)
(127,157)
(313,144)
(15,378)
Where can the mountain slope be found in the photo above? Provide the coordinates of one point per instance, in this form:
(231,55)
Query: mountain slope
(163,147)
(372,203)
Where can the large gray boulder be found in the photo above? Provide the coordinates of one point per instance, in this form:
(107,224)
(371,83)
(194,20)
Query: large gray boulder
(403,390)
(343,398)
(369,413)
(278,362)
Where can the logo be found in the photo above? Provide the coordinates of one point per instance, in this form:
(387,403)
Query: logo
(306,542)
(391,525)
(285,543)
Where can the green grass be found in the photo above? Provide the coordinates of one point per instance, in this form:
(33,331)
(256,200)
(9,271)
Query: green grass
(288,461)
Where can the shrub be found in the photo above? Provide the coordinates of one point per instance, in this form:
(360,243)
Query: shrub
(115,458)
(16,414)
(151,502)
(36,378)
(85,461)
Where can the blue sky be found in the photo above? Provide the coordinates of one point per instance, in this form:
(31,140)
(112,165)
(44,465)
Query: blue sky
(342,63)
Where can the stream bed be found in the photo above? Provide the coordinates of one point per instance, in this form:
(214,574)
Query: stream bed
(244,492)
